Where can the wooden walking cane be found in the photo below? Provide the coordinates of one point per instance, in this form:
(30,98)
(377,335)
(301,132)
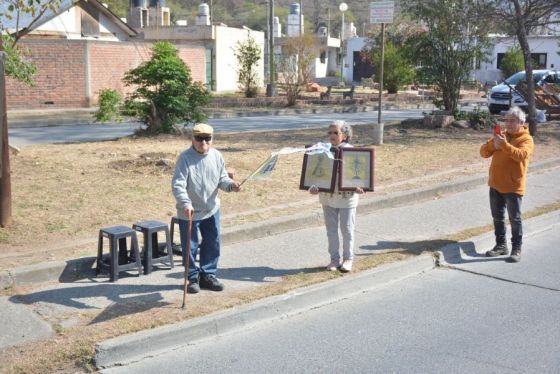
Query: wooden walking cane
(187,259)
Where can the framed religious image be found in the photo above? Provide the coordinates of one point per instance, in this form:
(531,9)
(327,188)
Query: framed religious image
(356,169)
(319,170)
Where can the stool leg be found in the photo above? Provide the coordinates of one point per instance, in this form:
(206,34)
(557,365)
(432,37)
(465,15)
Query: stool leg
(168,241)
(155,245)
(147,253)
(136,253)
(123,252)
(99,253)
(114,272)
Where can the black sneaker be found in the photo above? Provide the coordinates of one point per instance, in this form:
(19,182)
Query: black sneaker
(515,255)
(498,250)
(210,282)
(193,286)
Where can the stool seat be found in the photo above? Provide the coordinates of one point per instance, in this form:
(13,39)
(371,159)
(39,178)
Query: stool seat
(119,258)
(151,253)
(150,225)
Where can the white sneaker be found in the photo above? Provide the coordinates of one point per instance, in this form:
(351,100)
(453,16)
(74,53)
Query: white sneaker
(346,266)
(334,265)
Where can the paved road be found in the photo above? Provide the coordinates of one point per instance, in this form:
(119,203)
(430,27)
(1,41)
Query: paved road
(22,136)
(483,316)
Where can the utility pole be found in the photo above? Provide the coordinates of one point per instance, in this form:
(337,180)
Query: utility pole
(300,18)
(5,181)
(271,87)
(381,72)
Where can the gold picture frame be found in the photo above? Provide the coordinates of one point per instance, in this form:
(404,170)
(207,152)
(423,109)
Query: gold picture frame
(356,168)
(318,170)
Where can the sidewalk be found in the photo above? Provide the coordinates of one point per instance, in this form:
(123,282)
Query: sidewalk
(400,221)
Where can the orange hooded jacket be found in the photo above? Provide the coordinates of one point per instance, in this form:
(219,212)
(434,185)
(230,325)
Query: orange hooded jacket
(508,169)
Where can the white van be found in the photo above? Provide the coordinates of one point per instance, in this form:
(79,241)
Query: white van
(500,97)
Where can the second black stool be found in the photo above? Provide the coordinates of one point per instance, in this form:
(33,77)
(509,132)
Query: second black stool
(119,259)
(151,253)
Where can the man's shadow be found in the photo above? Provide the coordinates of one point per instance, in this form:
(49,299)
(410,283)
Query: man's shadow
(127,299)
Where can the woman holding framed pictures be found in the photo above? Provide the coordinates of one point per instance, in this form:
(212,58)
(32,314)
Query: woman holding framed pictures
(339,207)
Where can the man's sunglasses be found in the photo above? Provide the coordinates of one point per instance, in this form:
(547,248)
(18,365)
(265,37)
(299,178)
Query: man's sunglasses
(201,138)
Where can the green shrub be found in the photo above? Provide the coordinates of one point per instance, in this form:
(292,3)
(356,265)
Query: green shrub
(512,62)
(398,71)
(165,93)
(110,102)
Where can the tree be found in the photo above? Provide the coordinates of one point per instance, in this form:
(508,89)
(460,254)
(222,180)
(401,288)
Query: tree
(512,62)
(454,38)
(296,66)
(165,93)
(248,55)
(12,29)
(520,18)
(398,69)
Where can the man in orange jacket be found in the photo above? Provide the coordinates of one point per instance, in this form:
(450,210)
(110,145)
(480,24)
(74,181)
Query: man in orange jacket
(510,151)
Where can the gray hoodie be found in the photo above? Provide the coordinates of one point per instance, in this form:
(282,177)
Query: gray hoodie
(196,181)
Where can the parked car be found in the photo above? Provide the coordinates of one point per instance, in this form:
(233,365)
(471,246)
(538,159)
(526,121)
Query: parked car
(501,96)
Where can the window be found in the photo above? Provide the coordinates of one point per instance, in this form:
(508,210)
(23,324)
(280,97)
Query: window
(539,60)
(323,57)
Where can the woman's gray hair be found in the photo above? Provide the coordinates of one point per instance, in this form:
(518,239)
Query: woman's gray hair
(515,111)
(344,127)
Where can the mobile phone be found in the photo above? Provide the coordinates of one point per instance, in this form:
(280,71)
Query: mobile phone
(497,129)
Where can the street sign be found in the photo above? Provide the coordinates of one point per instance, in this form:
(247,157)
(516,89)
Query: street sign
(381,11)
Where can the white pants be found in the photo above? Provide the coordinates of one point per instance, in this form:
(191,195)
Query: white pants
(346,218)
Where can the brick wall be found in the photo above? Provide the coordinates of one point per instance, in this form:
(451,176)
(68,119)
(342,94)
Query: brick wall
(71,72)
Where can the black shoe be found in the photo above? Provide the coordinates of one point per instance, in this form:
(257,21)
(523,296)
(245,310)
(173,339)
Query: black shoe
(210,282)
(515,255)
(498,250)
(193,286)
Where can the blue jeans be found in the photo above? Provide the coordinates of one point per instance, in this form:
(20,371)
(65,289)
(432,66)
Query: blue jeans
(498,204)
(209,245)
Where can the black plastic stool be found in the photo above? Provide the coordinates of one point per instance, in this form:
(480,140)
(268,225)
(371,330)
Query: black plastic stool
(151,254)
(119,259)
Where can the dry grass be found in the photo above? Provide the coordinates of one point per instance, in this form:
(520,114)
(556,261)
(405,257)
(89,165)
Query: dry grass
(63,194)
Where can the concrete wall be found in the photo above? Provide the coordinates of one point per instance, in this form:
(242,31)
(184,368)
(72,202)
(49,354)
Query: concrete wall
(226,39)
(488,71)
(71,72)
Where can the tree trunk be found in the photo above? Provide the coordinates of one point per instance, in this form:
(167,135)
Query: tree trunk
(524,44)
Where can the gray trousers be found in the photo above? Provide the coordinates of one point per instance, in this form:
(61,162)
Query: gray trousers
(346,218)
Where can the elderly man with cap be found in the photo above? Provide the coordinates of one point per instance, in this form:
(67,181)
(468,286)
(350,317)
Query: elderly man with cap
(199,173)
(510,151)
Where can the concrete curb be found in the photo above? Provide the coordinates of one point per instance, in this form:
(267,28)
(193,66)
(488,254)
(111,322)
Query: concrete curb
(131,348)
(347,109)
(85,116)
(66,271)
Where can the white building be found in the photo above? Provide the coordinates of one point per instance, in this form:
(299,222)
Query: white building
(544,50)
(220,42)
